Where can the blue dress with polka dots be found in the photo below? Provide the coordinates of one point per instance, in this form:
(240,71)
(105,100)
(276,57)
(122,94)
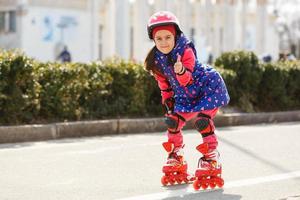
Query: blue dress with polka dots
(207,89)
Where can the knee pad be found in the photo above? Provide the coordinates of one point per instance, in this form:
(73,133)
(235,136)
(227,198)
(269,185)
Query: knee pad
(172,122)
(204,125)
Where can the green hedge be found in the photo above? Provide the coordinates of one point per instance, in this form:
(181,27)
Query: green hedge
(243,86)
(35,92)
(19,89)
(280,87)
(255,86)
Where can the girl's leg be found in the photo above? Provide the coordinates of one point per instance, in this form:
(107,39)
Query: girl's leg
(209,169)
(205,125)
(176,167)
(175,123)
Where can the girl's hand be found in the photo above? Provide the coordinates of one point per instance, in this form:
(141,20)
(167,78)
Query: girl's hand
(178,67)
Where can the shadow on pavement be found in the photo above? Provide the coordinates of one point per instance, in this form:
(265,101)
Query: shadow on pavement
(295,197)
(211,195)
(15,145)
(254,155)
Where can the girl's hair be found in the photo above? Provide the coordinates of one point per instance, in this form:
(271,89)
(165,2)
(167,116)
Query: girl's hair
(149,63)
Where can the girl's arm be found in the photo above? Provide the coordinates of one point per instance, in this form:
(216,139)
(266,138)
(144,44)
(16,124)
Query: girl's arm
(164,86)
(188,62)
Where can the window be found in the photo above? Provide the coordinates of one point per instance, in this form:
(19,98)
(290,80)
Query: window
(8,21)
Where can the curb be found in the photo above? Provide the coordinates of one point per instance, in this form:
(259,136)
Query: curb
(26,133)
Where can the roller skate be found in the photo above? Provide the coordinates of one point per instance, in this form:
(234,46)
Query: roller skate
(175,169)
(208,173)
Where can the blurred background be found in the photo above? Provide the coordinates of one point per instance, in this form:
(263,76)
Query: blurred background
(99,29)
(254,44)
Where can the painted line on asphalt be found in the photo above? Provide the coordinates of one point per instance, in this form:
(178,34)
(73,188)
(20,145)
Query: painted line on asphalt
(231,184)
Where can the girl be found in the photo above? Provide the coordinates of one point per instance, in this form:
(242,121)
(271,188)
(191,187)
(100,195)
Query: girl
(188,89)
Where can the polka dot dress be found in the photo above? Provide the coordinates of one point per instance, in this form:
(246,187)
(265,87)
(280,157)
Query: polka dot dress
(207,90)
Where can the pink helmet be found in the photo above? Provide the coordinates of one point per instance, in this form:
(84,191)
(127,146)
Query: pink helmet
(162,18)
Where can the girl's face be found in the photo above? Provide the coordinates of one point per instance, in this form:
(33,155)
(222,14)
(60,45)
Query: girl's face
(164,41)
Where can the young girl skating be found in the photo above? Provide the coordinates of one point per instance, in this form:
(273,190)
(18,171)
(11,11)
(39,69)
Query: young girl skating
(189,90)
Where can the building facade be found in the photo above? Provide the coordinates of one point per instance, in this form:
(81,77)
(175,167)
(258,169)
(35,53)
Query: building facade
(99,29)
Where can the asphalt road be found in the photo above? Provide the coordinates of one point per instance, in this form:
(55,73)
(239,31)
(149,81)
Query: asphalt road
(259,162)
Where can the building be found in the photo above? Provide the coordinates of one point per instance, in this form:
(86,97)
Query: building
(42,27)
(98,29)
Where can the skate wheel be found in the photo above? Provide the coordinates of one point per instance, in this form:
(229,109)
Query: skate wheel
(212,184)
(220,182)
(204,185)
(172,181)
(186,180)
(178,180)
(164,180)
(196,184)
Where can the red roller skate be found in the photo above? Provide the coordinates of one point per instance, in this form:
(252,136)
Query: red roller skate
(175,168)
(209,169)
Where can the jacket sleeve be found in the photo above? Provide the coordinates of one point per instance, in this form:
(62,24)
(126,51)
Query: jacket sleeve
(164,86)
(188,62)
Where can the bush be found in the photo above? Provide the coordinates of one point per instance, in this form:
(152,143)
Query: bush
(95,97)
(272,88)
(244,79)
(280,86)
(255,86)
(19,90)
(64,90)
(34,92)
(92,91)
(123,92)
(293,85)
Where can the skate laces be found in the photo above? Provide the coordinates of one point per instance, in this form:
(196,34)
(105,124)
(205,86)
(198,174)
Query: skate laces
(213,155)
(176,156)
(209,160)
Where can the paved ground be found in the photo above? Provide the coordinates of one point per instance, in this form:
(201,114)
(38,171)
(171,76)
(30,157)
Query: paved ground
(259,162)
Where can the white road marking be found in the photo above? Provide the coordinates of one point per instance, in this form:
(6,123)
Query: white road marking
(231,184)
